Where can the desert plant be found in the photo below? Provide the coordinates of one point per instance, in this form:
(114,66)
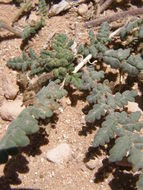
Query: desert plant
(123,59)
(116,123)
(59,60)
(109,107)
(44,105)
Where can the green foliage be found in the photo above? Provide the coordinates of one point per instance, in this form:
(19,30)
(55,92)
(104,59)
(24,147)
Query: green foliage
(31,30)
(97,44)
(42,7)
(90,77)
(134,28)
(108,107)
(104,102)
(59,60)
(26,7)
(24,63)
(123,59)
(27,121)
(117,124)
(114,57)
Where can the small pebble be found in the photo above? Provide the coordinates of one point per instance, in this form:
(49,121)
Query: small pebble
(68,102)
(10,110)
(91,164)
(60,154)
(10,87)
(82,9)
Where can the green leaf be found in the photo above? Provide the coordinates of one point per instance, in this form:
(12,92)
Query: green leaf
(120,149)
(136,158)
(96,113)
(103,136)
(113,62)
(19,137)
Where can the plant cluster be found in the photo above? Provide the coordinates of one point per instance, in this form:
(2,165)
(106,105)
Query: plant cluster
(117,124)
(43,106)
(120,58)
(26,7)
(109,107)
(31,30)
(59,60)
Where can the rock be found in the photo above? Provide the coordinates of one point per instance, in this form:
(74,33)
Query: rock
(10,110)
(133,107)
(82,9)
(61,153)
(94,164)
(10,88)
(1,86)
(60,7)
(68,101)
(91,164)
(33,18)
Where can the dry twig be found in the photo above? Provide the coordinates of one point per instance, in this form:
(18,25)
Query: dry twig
(113,17)
(105,5)
(82,63)
(10,28)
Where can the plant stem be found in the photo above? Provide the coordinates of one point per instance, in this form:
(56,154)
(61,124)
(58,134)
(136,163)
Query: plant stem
(10,28)
(26,7)
(113,17)
(105,5)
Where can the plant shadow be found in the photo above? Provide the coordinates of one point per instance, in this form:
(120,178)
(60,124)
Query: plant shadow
(19,163)
(88,128)
(118,175)
(8,37)
(75,95)
(122,178)
(36,141)
(92,153)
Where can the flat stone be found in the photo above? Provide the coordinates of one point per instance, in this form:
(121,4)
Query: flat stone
(133,107)
(91,164)
(10,109)
(63,5)
(10,87)
(94,164)
(60,154)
